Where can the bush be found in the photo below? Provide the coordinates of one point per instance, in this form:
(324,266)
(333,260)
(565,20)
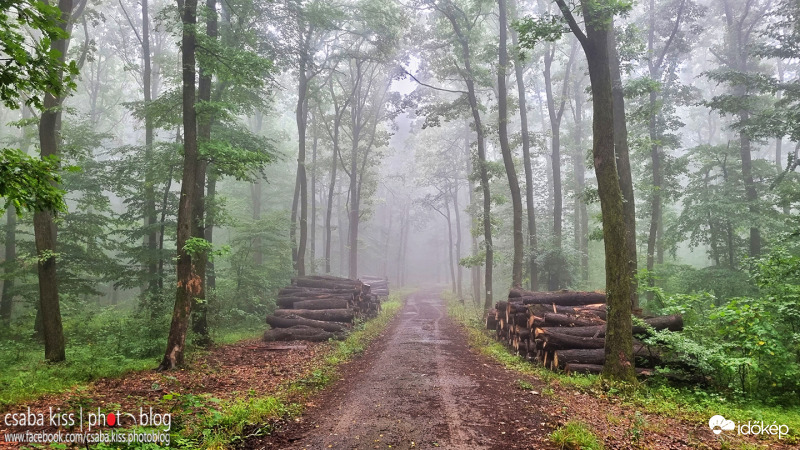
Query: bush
(748,345)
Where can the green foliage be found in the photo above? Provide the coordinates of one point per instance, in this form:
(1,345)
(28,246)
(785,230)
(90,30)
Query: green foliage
(245,290)
(30,67)
(716,212)
(575,435)
(749,346)
(29,183)
(196,246)
(102,342)
(545,28)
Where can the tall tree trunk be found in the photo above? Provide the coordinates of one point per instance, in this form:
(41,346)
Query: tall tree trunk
(749,186)
(188,283)
(579,166)
(355,214)
(150,220)
(450,256)
(655,156)
(313,234)
(7,300)
(293,219)
(505,148)
(655,200)
(211,276)
(256,194)
(624,166)
(200,308)
(399,261)
(457,213)
(476,270)
(526,161)
(554,281)
(472,97)
(302,122)
(331,189)
(45,231)
(619,330)
(162,231)
(355,217)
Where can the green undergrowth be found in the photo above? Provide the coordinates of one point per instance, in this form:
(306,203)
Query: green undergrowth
(25,376)
(655,395)
(226,423)
(575,435)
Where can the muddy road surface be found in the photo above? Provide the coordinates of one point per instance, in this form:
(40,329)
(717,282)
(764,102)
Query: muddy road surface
(420,386)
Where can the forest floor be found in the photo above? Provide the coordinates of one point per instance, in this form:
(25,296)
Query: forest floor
(420,384)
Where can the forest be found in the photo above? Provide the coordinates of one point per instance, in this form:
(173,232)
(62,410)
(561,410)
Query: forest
(168,167)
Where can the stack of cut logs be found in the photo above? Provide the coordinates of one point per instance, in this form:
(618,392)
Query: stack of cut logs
(320,307)
(565,330)
(378,286)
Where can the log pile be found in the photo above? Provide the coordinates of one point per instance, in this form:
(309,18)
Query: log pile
(379,286)
(320,307)
(565,330)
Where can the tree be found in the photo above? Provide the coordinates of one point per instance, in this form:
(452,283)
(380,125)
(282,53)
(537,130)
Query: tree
(623,164)
(530,211)
(189,283)
(462,26)
(505,148)
(555,281)
(737,67)
(598,23)
(672,27)
(44,220)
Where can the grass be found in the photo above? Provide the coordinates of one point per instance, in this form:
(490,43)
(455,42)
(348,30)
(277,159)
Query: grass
(575,435)
(653,396)
(108,344)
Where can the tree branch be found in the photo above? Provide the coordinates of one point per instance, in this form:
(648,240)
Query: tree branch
(573,24)
(455,91)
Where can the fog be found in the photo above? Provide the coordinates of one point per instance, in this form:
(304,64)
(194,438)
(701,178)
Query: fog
(361,138)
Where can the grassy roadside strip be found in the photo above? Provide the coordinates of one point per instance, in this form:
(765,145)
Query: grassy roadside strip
(693,405)
(229,422)
(26,377)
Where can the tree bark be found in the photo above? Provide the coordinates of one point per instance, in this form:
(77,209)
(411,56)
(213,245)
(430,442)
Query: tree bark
(505,148)
(450,256)
(313,233)
(204,120)
(45,230)
(619,338)
(579,166)
(481,141)
(211,275)
(7,300)
(150,219)
(554,281)
(530,212)
(302,121)
(256,193)
(332,185)
(293,220)
(624,166)
(188,282)
(457,213)
(476,270)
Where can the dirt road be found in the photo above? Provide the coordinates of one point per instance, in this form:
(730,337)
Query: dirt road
(420,386)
